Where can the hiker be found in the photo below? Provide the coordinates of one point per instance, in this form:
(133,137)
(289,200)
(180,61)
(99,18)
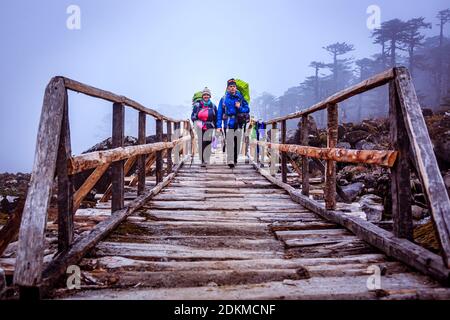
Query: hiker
(233,111)
(204,115)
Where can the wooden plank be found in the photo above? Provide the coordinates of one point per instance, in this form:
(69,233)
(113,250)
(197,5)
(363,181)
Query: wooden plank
(142,158)
(117,175)
(315,288)
(31,236)
(65,184)
(94,159)
(330,174)
(371,83)
(159,159)
(283,154)
(401,249)
(87,186)
(305,165)
(150,251)
(58,266)
(109,96)
(400,172)
(425,159)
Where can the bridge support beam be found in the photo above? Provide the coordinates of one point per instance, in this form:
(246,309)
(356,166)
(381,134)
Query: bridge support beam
(117,201)
(169,151)
(142,158)
(400,172)
(330,176)
(283,154)
(65,185)
(305,165)
(273,152)
(159,158)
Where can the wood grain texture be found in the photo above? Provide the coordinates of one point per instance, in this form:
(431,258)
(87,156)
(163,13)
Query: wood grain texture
(425,159)
(31,236)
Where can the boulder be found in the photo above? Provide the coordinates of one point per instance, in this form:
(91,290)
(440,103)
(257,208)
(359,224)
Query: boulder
(418,213)
(373,206)
(365,145)
(353,137)
(343,145)
(352,191)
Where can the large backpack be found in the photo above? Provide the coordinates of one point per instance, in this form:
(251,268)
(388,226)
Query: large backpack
(244,89)
(198,96)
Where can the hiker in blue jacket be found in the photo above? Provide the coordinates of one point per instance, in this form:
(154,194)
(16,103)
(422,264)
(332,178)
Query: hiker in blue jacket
(233,111)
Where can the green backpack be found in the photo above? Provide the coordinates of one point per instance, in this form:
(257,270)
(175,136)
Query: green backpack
(244,89)
(198,96)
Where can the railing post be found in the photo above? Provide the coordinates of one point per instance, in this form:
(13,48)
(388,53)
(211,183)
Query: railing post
(257,160)
(159,158)
(169,151)
(330,177)
(273,153)
(304,137)
(117,201)
(283,154)
(176,150)
(141,159)
(400,172)
(65,185)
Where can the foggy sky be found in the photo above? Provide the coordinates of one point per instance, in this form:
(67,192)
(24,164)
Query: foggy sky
(160,52)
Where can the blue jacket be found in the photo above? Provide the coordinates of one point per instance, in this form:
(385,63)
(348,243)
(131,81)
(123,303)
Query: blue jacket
(228,108)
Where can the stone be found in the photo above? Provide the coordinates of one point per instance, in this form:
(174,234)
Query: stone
(365,145)
(373,207)
(353,137)
(352,191)
(418,213)
(343,145)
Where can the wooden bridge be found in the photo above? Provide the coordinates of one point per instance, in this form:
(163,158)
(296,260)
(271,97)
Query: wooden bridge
(190,232)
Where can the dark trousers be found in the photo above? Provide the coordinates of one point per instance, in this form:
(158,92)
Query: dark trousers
(204,144)
(233,139)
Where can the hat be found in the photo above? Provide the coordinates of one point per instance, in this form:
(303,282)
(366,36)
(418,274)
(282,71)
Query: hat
(231,82)
(206,91)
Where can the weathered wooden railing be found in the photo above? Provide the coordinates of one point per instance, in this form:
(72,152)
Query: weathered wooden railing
(53,158)
(410,141)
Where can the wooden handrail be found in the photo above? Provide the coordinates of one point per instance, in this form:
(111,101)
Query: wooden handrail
(408,131)
(375,157)
(53,158)
(371,83)
(112,97)
(95,159)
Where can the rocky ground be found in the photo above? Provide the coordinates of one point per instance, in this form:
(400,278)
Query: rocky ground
(370,185)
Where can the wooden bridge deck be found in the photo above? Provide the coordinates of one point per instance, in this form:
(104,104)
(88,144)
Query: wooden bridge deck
(214,233)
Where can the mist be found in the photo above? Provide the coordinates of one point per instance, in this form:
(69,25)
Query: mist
(159,53)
